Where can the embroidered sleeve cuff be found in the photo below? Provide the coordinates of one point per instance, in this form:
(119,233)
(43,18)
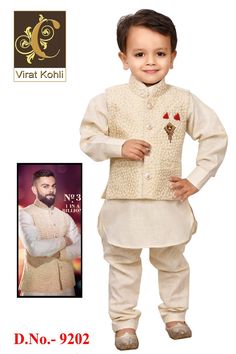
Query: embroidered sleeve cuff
(198,177)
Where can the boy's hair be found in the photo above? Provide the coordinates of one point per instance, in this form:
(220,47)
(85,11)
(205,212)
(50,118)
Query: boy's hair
(147,18)
(42,173)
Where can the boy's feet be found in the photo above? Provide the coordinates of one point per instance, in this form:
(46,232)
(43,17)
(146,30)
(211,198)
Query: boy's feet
(126,339)
(178,330)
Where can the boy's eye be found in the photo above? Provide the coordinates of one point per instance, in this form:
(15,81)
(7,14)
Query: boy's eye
(139,55)
(161,54)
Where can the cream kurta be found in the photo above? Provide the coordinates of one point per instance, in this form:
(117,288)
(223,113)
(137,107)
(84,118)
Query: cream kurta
(152,223)
(47,267)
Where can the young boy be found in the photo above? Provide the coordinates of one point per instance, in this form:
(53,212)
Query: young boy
(140,127)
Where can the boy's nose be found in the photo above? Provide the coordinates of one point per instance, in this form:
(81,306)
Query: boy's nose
(150,60)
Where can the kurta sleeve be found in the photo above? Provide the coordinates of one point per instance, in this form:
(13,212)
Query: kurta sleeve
(204,125)
(31,239)
(95,141)
(73,251)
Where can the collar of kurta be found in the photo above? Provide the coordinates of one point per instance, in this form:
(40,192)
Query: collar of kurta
(41,205)
(140,89)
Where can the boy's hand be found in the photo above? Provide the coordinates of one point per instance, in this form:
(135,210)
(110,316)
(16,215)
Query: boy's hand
(135,149)
(182,188)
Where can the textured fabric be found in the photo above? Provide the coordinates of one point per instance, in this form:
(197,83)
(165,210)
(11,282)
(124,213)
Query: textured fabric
(140,114)
(202,125)
(128,221)
(146,223)
(66,292)
(156,223)
(50,222)
(124,283)
(127,341)
(173,278)
(179,331)
(46,270)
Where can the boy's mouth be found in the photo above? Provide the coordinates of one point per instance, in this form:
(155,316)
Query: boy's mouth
(151,71)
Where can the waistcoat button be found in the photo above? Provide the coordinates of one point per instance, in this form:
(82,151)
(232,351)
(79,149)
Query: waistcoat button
(149,105)
(148,176)
(149,127)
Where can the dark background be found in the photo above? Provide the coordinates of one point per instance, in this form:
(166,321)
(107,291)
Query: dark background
(24,19)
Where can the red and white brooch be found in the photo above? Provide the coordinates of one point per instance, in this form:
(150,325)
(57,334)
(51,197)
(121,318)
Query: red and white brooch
(170,128)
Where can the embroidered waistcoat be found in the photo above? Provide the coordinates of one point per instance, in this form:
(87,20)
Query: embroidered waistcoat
(47,274)
(158,115)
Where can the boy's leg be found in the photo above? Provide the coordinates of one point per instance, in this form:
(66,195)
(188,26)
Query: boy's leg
(124,283)
(173,275)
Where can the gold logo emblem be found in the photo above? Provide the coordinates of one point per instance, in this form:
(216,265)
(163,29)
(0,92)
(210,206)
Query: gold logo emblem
(35,41)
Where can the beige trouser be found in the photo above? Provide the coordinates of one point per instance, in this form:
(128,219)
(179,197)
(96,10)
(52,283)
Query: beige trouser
(125,277)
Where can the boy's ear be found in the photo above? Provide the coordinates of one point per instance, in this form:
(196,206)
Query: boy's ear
(123,58)
(173,56)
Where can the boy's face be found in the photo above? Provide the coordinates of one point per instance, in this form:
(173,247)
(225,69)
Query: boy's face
(148,55)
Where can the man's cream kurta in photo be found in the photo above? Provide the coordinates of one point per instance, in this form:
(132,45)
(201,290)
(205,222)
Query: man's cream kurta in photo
(48,270)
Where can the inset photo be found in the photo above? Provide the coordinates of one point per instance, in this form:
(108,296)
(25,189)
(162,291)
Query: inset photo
(49,236)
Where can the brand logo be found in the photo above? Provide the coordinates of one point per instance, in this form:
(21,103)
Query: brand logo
(39,46)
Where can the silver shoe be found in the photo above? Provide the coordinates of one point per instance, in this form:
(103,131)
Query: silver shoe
(127,341)
(179,331)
